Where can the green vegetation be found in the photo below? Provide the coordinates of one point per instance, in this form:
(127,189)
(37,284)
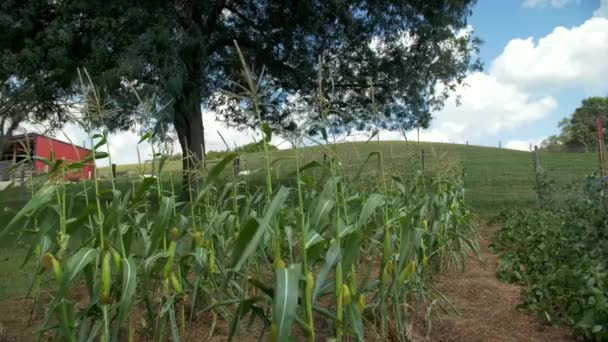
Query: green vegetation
(180,56)
(219,251)
(495,179)
(579,132)
(340,244)
(559,253)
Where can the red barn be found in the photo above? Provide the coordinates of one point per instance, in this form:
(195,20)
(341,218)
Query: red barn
(20,146)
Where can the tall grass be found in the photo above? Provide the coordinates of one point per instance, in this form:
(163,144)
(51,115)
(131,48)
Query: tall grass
(287,258)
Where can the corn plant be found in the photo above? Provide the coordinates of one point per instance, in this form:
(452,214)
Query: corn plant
(327,248)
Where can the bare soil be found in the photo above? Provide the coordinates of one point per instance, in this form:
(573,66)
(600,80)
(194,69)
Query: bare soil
(488,306)
(487,311)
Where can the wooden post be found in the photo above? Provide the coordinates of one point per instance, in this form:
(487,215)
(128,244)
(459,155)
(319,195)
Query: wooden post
(113,170)
(422,159)
(536,179)
(236,166)
(22,167)
(601,150)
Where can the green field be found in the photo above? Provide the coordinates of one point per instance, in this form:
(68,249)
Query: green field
(495,179)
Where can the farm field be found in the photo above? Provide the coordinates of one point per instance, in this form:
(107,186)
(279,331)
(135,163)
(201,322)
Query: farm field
(263,171)
(494,179)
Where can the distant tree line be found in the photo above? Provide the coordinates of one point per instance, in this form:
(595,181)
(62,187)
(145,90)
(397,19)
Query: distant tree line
(579,130)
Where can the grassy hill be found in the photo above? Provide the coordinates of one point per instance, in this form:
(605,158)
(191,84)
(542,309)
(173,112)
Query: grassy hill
(494,178)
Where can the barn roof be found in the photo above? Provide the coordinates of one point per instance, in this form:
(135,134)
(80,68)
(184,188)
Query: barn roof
(33,135)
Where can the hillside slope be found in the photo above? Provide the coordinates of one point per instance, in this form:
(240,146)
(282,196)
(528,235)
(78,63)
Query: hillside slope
(494,178)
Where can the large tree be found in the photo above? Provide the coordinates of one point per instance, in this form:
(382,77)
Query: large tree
(579,131)
(181,51)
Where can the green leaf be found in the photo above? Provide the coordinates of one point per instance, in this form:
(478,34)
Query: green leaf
(324,133)
(371,204)
(145,137)
(214,173)
(246,243)
(353,317)
(331,258)
(375,133)
(351,249)
(320,215)
(79,261)
(128,287)
(43,160)
(252,231)
(103,139)
(267,132)
(312,238)
(38,201)
(285,301)
(173,322)
(97,155)
(312,165)
(151,262)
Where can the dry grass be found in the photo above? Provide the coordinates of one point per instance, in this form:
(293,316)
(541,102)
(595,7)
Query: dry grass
(488,306)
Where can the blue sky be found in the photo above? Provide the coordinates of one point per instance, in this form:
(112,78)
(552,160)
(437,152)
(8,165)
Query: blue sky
(499,22)
(541,58)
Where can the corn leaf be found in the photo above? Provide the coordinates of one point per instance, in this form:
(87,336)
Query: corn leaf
(79,260)
(285,301)
(371,204)
(253,230)
(128,287)
(39,201)
(351,249)
(173,322)
(312,238)
(331,258)
(246,243)
(214,173)
(320,215)
(353,317)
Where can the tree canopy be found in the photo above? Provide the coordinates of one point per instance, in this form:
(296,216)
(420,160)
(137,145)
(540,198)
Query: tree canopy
(579,131)
(181,54)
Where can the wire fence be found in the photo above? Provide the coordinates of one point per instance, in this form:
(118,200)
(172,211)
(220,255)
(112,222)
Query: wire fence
(494,179)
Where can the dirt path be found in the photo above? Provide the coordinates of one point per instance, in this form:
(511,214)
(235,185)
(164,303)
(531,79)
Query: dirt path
(487,306)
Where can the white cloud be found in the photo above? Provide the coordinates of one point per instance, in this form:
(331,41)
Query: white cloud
(602,11)
(124,145)
(488,107)
(524,145)
(544,3)
(574,57)
(516,91)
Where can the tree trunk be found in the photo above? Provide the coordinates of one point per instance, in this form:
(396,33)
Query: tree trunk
(190,130)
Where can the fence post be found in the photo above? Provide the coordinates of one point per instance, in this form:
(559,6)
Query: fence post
(536,180)
(600,146)
(236,166)
(422,159)
(113,171)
